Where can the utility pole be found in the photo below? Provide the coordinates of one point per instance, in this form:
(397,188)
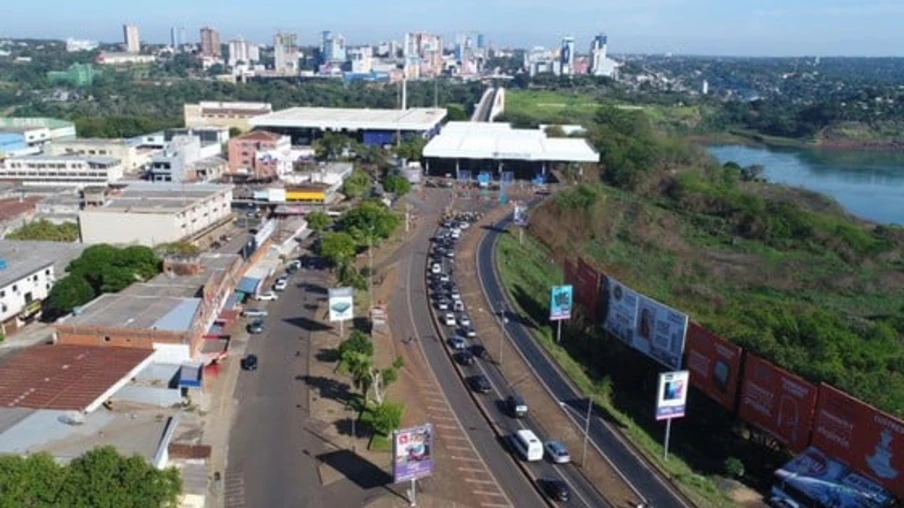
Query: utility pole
(586,431)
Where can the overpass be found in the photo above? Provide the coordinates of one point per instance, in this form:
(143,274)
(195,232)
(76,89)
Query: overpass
(491,105)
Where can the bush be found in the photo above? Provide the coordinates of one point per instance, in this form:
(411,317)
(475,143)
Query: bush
(734,468)
(45,230)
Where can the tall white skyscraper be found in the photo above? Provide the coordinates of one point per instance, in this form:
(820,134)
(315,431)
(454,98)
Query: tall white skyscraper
(600,63)
(285,53)
(174,37)
(566,57)
(130,38)
(242,51)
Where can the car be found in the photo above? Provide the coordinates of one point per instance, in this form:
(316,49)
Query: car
(447,224)
(478,351)
(256,327)
(295,264)
(464,224)
(254,313)
(457,343)
(464,357)
(436,268)
(444,277)
(516,406)
(216,245)
(249,362)
(280,284)
(464,321)
(480,384)
(469,332)
(456,234)
(455,295)
(266,297)
(557,490)
(442,304)
(449,319)
(458,306)
(557,452)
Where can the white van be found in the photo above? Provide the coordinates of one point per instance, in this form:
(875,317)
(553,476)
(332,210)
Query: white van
(527,445)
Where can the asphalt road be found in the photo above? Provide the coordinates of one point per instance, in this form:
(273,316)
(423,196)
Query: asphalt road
(517,487)
(651,487)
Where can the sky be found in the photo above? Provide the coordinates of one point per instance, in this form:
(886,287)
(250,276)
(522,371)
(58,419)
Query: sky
(705,27)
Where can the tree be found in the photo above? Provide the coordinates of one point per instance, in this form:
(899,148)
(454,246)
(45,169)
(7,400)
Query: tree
(555,131)
(396,184)
(178,249)
(356,184)
(456,113)
(331,146)
(45,230)
(32,480)
(370,222)
(380,379)
(411,148)
(111,269)
(338,248)
(752,172)
(66,294)
(357,342)
(318,221)
(386,417)
(235,132)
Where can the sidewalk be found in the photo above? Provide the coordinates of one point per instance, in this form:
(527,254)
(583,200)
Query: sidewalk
(33,334)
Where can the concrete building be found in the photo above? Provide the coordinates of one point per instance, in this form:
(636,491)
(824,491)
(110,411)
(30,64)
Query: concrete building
(171,313)
(76,45)
(130,40)
(566,57)
(124,59)
(285,54)
(172,164)
(224,114)
(260,155)
(242,51)
(362,59)
(12,144)
(28,269)
(63,170)
(157,213)
(38,130)
(600,63)
(133,159)
(423,55)
(332,48)
(210,43)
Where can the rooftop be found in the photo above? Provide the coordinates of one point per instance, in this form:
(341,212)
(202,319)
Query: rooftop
(95,159)
(69,378)
(34,122)
(415,119)
(92,142)
(499,141)
(137,312)
(159,197)
(13,208)
(259,136)
(25,257)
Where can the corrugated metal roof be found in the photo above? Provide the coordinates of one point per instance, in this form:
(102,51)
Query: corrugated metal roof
(178,319)
(499,141)
(248,285)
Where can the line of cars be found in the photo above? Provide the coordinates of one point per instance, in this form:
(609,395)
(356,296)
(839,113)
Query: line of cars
(257,315)
(467,349)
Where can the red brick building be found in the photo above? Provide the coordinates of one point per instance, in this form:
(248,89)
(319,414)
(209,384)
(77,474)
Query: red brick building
(260,155)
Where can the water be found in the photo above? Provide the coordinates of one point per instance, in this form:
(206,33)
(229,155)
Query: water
(868,184)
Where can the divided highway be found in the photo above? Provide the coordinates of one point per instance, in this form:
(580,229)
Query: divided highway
(634,469)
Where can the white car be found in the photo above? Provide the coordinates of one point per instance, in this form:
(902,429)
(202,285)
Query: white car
(469,332)
(449,319)
(464,321)
(436,268)
(458,306)
(442,304)
(280,284)
(455,296)
(455,234)
(557,452)
(464,224)
(450,254)
(444,277)
(265,297)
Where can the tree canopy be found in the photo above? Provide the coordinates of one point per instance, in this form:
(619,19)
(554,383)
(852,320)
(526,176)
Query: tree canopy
(43,229)
(369,221)
(356,184)
(318,221)
(396,184)
(338,247)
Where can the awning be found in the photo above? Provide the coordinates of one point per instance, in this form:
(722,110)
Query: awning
(248,285)
(190,375)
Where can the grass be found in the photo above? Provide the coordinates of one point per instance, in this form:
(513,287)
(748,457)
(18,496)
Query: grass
(540,103)
(533,274)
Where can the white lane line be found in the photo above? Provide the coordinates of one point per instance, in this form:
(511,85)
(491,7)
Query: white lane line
(451,447)
(443,409)
(452,436)
(487,493)
(442,417)
(472,480)
(444,426)
(495,505)
(471,469)
(465,459)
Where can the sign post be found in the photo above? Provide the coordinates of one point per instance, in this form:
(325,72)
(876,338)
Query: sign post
(560,302)
(519,219)
(671,402)
(342,307)
(412,456)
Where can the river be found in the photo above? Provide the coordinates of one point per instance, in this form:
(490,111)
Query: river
(869,184)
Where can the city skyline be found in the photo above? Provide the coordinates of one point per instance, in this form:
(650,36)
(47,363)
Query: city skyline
(769,28)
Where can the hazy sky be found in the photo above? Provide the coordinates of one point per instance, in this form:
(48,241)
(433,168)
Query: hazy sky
(716,27)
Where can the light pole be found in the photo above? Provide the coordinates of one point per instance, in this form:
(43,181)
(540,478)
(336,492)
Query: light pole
(586,431)
(370,263)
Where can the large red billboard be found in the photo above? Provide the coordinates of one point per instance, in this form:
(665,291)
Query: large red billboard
(866,439)
(714,364)
(777,402)
(585,280)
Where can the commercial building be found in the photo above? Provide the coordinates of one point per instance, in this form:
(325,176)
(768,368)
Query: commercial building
(242,51)
(133,158)
(260,155)
(566,57)
(285,54)
(210,43)
(157,213)
(497,147)
(62,170)
(12,144)
(362,59)
(332,47)
(600,63)
(131,41)
(224,114)
(38,130)
(106,58)
(78,75)
(370,126)
(76,45)
(28,269)
(189,157)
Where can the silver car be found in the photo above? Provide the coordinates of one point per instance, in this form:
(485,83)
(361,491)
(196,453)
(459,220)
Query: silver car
(557,452)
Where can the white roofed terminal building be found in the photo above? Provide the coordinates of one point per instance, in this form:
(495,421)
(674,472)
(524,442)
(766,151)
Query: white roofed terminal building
(465,149)
(370,126)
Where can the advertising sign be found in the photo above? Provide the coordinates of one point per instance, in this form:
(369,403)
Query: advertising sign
(777,402)
(483,179)
(660,332)
(342,305)
(507,178)
(560,302)
(830,483)
(715,365)
(412,453)
(868,440)
(671,398)
(621,310)
(464,175)
(587,289)
(519,217)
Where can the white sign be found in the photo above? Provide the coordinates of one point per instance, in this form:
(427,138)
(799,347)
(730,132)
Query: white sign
(660,332)
(342,305)
(621,314)
(671,398)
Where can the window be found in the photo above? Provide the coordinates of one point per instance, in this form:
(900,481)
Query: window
(35,278)
(106,338)
(15,288)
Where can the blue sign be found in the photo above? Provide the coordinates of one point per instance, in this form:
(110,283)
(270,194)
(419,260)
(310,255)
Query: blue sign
(484,178)
(540,179)
(560,301)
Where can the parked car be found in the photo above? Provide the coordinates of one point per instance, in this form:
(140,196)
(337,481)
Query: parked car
(436,268)
(254,313)
(480,384)
(557,490)
(249,362)
(442,304)
(450,254)
(256,327)
(557,452)
(464,321)
(478,351)
(455,295)
(280,284)
(266,297)
(293,265)
(449,319)
(444,277)
(469,332)
(458,306)
(457,343)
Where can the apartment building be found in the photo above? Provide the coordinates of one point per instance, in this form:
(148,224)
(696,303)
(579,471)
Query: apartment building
(132,158)
(62,170)
(260,155)
(224,114)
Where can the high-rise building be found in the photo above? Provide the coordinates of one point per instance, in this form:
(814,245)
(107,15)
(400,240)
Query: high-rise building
(481,41)
(332,47)
(600,63)
(242,51)
(285,53)
(566,57)
(174,37)
(362,59)
(210,43)
(423,55)
(130,38)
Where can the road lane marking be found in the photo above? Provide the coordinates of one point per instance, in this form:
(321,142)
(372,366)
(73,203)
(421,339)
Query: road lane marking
(453,447)
(442,417)
(487,493)
(472,469)
(444,426)
(473,480)
(437,408)
(466,459)
(495,505)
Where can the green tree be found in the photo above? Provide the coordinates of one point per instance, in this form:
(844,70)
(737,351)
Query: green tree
(43,229)
(332,146)
(235,132)
(369,222)
(33,480)
(456,113)
(66,294)
(111,269)
(411,148)
(356,184)
(396,184)
(357,342)
(338,248)
(386,417)
(555,131)
(178,249)
(318,221)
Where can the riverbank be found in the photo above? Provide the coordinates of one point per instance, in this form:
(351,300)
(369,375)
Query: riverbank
(748,138)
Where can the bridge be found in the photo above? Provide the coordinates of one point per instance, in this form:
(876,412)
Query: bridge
(491,105)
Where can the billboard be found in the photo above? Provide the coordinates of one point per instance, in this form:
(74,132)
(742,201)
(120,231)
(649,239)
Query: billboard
(660,332)
(715,365)
(777,402)
(519,217)
(830,482)
(561,299)
(412,453)
(671,398)
(464,175)
(587,288)
(621,310)
(342,305)
(484,178)
(868,440)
